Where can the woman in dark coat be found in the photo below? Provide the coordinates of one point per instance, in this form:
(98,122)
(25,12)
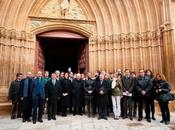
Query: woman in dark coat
(77,95)
(162,87)
(66,93)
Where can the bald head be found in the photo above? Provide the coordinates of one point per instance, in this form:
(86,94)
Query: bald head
(39,74)
(102,76)
(29,74)
(78,76)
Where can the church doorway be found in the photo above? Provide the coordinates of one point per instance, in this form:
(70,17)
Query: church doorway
(60,50)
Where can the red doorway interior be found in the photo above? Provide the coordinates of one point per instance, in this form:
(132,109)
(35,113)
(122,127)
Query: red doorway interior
(58,50)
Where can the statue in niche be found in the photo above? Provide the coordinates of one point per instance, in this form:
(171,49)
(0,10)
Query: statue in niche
(64,7)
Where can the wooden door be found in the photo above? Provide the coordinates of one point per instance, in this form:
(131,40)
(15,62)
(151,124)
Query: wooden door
(39,57)
(83,58)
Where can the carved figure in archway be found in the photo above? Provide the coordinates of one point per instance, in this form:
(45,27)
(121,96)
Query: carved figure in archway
(64,6)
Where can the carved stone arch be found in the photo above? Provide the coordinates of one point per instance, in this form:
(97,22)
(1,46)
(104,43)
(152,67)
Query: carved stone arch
(65,27)
(83,54)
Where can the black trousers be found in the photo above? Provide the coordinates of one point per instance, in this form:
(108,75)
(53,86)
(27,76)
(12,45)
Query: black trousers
(102,111)
(59,106)
(16,108)
(135,105)
(165,111)
(141,101)
(127,103)
(38,102)
(152,106)
(26,108)
(64,110)
(122,109)
(52,109)
(77,110)
(90,105)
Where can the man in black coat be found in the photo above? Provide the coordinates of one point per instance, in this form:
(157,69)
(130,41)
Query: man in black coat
(14,96)
(128,86)
(102,89)
(77,95)
(144,86)
(53,93)
(89,94)
(66,89)
(26,96)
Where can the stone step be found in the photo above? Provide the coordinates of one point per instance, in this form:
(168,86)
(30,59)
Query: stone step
(5,108)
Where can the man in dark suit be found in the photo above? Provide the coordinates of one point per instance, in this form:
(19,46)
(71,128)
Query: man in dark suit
(77,95)
(26,96)
(14,96)
(144,88)
(38,96)
(53,92)
(102,89)
(128,86)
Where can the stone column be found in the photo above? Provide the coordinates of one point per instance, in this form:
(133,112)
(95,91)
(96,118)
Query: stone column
(167,42)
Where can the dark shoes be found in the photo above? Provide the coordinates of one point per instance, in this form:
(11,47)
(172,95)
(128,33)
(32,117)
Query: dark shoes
(148,119)
(40,120)
(64,115)
(139,119)
(80,114)
(153,118)
(34,121)
(162,121)
(131,118)
(54,118)
(167,122)
(102,118)
(105,118)
(13,116)
(99,118)
(23,120)
(19,116)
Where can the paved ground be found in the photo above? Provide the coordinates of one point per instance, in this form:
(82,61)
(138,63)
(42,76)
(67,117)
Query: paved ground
(85,123)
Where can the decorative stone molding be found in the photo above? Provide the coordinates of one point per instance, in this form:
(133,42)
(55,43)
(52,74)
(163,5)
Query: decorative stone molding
(63,9)
(38,22)
(14,34)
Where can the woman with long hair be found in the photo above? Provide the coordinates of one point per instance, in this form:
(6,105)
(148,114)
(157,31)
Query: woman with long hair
(161,86)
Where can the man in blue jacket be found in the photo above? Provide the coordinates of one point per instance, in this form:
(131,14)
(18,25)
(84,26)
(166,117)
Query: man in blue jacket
(38,97)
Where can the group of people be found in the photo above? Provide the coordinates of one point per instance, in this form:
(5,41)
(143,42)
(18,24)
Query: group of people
(123,93)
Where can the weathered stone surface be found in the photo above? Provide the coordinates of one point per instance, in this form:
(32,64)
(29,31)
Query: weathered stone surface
(85,123)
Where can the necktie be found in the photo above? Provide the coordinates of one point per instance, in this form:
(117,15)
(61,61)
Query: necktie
(53,81)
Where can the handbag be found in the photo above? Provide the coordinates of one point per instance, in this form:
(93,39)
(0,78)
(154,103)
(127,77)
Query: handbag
(166,97)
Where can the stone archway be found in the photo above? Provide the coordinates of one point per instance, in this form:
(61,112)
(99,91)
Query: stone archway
(60,49)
